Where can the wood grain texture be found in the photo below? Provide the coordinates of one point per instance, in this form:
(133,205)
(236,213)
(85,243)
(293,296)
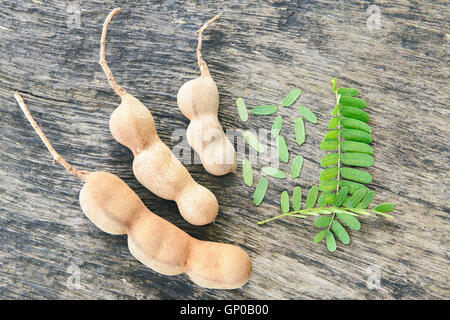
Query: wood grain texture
(259,50)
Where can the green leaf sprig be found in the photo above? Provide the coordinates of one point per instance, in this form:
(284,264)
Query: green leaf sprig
(344,197)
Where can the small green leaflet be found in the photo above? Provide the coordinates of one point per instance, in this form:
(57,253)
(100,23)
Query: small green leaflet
(342,194)
(356,175)
(299,131)
(333,122)
(260,191)
(328,185)
(307,114)
(311,199)
(356,198)
(352,146)
(297,198)
(319,237)
(352,102)
(276,173)
(355,113)
(355,124)
(350,92)
(284,201)
(323,221)
(349,220)
(340,232)
(276,126)
(384,207)
(330,159)
(333,134)
(247,172)
(264,110)
(242,109)
(334,82)
(364,204)
(253,141)
(331,242)
(283,151)
(329,144)
(292,97)
(356,135)
(297,167)
(328,173)
(357,159)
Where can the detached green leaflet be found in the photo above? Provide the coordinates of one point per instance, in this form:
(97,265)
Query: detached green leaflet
(264,110)
(292,97)
(260,191)
(307,114)
(247,172)
(253,141)
(242,109)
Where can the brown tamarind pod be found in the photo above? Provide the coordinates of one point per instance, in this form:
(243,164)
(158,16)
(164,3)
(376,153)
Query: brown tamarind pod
(116,209)
(198,100)
(154,165)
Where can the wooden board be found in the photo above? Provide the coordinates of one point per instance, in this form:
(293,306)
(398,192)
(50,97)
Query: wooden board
(396,53)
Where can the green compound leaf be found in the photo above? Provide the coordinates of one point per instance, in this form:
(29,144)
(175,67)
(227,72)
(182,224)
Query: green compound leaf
(357,159)
(329,144)
(364,204)
(276,126)
(349,220)
(331,242)
(276,173)
(264,110)
(384,207)
(253,141)
(340,232)
(352,187)
(247,172)
(242,109)
(283,151)
(299,131)
(329,173)
(333,134)
(297,167)
(356,175)
(284,202)
(322,221)
(355,113)
(352,102)
(356,135)
(341,196)
(351,146)
(297,198)
(349,92)
(333,122)
(260,191)
(350,123)
(356,198)
(311,199)
(292,97)
(330,159)
(307,114)
(319,237)
(328,185)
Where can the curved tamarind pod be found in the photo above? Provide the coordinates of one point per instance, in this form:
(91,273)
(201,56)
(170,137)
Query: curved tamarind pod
(198,100)
(116,209)
(154,165)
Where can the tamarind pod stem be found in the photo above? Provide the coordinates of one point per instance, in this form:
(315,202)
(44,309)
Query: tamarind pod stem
(56,156)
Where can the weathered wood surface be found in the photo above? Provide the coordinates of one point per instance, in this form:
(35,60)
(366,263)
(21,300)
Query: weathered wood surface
(258,50)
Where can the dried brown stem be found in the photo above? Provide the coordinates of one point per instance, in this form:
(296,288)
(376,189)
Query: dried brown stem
(201,63)
(56,157)
(117,89)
